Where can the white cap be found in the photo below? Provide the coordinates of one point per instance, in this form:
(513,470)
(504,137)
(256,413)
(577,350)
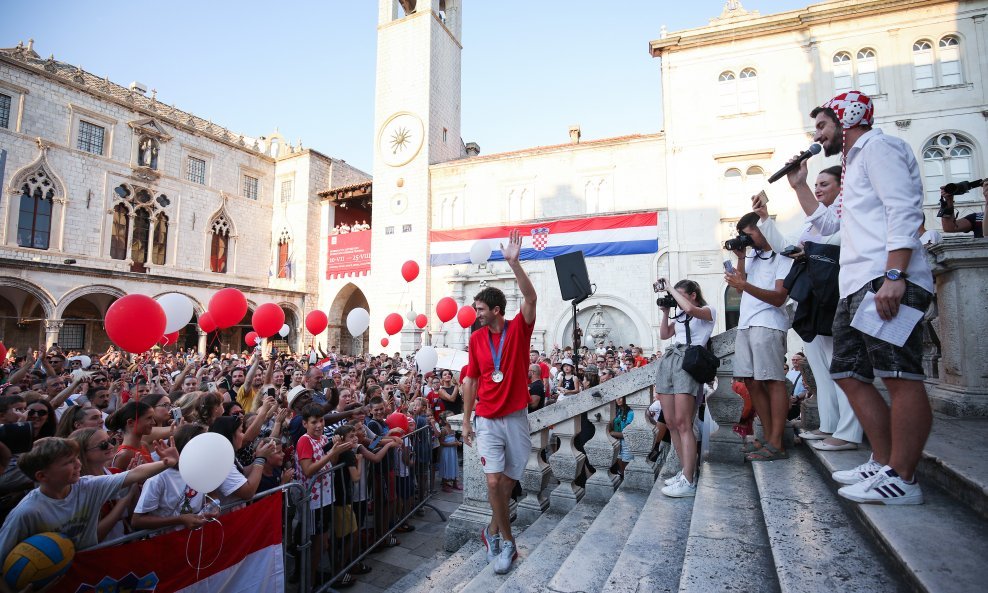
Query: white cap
(293,393)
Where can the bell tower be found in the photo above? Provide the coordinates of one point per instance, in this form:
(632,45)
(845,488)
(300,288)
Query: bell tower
(416,124)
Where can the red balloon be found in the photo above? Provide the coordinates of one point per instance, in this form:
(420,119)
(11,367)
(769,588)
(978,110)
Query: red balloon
(168,339)
(3,353)
(384,342)
(228,307)
(267,320)
(206,322)
(466,316)
(251,339)
(409,270)
(398,421)
(446,309)
(135,323)
(315,322)
(421,321)
(393,323)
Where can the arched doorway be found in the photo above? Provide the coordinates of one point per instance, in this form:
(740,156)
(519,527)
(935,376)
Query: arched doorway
(82,321)
(23,310)
(349,298)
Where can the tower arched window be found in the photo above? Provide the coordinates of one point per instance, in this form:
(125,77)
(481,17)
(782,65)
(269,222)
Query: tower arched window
(284,265)
(34,216)
(159,243)
(142,232)
(219,247)
(748,90)
(923,64)
(727,86)
(119,232)
(947,158)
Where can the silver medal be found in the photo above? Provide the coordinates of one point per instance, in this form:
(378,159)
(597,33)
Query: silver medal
(497,376)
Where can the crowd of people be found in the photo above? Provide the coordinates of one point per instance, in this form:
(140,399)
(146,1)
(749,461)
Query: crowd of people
(344,228)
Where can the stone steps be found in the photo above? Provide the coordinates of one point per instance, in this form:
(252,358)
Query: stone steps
(954,459)
(727,547)
(816,542)
(939,546)
(434,573)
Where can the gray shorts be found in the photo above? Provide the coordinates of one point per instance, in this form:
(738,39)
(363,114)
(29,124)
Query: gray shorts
(670,378)
(760,353)
(504,443)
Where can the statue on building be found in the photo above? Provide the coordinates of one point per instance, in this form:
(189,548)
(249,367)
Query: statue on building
(599,330)
(147,154)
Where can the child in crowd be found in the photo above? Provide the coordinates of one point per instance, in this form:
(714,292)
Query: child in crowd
(448,462)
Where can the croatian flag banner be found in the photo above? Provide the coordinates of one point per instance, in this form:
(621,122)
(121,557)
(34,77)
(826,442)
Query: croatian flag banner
(623,234)
(239,554)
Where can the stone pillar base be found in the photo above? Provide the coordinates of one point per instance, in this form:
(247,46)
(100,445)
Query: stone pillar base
(565,496)
(958,401)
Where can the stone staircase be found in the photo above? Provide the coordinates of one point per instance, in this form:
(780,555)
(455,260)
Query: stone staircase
(756,527)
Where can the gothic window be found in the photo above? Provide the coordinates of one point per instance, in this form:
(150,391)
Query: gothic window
(728,90)
(949,56)
(142,231)
(90,137)
(160,240)
(748,90)
(5,101)
(34,218)
(284,264)
(195,170)
(947,158)
(147,153)
(219,245)
(119,232)
(923,64)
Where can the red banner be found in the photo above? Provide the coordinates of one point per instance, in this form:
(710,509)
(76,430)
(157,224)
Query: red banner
(239,552)
(348,255)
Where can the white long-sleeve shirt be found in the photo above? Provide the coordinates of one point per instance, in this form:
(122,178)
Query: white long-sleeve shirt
(882,211)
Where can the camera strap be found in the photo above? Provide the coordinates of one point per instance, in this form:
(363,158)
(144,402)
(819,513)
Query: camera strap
(689,339)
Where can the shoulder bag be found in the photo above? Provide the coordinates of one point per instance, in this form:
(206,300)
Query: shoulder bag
(699,362)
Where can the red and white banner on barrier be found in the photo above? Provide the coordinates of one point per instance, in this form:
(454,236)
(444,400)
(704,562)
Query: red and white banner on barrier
(239,554)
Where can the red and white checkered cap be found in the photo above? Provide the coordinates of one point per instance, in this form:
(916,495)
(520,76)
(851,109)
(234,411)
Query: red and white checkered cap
(853,108)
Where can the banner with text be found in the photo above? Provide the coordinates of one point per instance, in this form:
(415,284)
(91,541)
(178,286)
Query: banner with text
(348,255)
(622,234)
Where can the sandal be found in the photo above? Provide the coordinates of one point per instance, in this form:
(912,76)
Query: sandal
(391,542)
(752,446)
(345,581)
(766,453)
(361,568)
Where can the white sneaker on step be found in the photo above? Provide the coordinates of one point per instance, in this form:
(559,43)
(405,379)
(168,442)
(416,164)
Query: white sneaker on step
(674,479)
(680,489)
(885,487)
(857,474)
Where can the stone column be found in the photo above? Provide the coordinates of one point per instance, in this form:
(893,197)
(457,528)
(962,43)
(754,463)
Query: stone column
(567,464)
(640,436)
(961,276)
(535,480)
(203,343)
(602,453)
(52,327)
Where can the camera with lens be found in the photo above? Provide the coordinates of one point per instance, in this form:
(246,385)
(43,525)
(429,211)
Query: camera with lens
(666,301)
(739,243)
(956,189)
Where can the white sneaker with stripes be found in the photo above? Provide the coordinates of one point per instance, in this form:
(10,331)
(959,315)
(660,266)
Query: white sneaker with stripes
(857,474)
(885,487)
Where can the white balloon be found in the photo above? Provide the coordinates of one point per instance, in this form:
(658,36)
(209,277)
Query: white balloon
(411,315)
(206,461)
(357,321)
(283,332)
(426,359)
(178,311)
(480,252)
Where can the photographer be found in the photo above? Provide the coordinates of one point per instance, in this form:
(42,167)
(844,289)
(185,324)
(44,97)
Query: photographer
(760,346)
(677,389)
(966,224)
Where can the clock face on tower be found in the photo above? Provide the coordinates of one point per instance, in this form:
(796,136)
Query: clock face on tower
(400,139)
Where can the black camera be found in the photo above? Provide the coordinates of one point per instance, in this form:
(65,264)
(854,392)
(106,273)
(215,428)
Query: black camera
(18,436)
(961,188)
(666,301)
(739,243)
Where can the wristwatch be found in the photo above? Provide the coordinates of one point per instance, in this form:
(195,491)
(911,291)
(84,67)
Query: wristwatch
(895,274)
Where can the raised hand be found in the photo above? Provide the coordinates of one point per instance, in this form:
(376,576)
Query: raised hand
(513,249)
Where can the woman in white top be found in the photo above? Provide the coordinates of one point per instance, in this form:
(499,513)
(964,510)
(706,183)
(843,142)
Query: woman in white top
(676,389)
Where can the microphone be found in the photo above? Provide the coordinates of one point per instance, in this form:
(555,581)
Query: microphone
(812,150)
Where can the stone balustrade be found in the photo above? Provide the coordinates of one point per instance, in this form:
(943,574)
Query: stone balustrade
(562,421)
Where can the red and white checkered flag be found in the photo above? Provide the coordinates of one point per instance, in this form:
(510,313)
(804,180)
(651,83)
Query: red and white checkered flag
(540,238)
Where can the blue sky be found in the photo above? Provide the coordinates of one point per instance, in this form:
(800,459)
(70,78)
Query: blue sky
(530,69)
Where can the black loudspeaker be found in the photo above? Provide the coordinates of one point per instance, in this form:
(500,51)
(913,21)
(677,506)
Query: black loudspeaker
(571,270)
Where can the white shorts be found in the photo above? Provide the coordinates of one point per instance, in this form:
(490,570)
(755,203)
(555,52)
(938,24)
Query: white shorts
(760,354)
(504,443)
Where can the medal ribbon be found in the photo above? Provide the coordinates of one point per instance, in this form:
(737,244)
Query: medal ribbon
(500,347)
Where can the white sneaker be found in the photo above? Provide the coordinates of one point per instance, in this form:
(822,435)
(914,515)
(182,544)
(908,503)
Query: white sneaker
(885,487)
(508,554)
(674,479)
(492,543)
(680,489)
(862,472)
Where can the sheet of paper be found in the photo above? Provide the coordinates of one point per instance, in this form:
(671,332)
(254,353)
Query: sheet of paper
(894,331)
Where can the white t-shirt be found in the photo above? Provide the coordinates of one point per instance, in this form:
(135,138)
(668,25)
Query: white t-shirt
(167,495)
(234,480)
(700,330)
(763,270)
(655,409)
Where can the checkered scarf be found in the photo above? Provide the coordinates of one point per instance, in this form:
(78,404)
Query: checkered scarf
(853,109)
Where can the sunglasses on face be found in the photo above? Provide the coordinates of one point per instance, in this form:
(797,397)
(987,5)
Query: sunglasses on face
(102,446)
(41,413)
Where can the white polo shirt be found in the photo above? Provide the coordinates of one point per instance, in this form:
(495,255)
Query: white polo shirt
(763,269)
